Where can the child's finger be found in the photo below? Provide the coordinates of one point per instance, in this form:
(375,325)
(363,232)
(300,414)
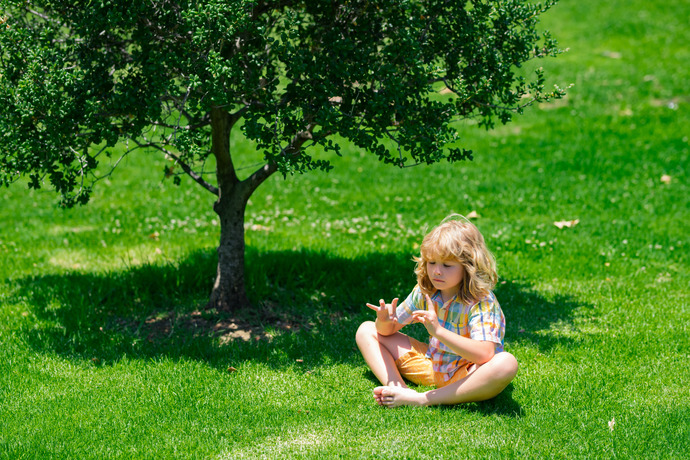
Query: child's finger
(429,303)
(393,306)
(373,307)
(419,315)
(432,305)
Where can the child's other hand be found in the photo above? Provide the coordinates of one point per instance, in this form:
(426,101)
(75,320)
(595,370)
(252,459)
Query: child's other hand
(428,317)
(385,311)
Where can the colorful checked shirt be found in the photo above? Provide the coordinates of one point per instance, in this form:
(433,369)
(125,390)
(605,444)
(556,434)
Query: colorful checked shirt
(483,320)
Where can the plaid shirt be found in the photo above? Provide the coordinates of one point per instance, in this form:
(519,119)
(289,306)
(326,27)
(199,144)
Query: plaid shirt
(483,321)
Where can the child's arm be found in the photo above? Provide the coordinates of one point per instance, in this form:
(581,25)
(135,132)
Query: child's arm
(476,351)
(386,322)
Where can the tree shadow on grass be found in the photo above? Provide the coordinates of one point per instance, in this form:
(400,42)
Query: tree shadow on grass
(308,307)
(306,304)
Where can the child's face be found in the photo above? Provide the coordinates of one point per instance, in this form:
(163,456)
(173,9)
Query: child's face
(445,275)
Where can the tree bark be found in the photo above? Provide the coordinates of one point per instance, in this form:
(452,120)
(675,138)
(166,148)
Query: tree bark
(228,292)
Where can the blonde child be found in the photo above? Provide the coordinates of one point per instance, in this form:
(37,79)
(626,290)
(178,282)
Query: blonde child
(453,298)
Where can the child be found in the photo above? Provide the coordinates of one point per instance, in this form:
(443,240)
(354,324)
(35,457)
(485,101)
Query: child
(464,359)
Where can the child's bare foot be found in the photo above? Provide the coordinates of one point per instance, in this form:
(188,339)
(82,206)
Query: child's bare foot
(397,396)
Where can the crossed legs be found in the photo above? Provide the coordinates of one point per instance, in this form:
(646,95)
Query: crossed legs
(380,353)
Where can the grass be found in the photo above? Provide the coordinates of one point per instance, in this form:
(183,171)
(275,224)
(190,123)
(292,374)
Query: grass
(105,354)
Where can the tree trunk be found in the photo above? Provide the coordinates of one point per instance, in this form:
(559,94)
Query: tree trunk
(228,292)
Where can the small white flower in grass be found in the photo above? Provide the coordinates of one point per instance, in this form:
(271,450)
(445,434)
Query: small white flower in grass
(612,423)
(566,223)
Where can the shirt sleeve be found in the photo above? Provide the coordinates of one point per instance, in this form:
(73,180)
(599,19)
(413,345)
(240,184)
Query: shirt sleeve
(486,321)
(412,303)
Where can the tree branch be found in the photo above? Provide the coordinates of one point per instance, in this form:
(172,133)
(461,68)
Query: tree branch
(221,124)
(185,167)
(204,122)
(43,16)
(263,173)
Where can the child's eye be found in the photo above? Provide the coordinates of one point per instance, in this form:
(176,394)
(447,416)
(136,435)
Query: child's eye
(432,263)
(447,266)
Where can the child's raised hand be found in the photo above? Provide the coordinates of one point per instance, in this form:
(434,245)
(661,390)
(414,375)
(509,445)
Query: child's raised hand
(428,317)
(385,311)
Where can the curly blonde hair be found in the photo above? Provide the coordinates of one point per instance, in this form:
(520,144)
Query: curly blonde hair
(457,239)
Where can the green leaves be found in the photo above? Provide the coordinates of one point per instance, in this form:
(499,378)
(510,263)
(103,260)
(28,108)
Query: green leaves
(76,78)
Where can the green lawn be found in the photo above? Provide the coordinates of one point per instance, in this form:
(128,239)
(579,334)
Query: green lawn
(105,352)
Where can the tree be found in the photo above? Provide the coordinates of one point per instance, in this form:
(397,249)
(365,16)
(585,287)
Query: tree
(177,76)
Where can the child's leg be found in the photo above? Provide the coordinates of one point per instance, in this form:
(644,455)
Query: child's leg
(485,382)
(381,351)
